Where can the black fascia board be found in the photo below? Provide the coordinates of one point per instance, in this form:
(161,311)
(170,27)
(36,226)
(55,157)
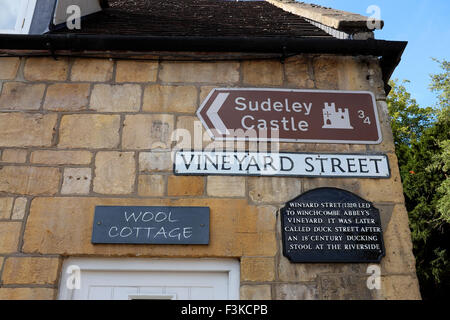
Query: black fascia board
(390,52)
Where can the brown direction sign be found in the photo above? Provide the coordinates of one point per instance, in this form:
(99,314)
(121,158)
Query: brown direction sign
(287,115)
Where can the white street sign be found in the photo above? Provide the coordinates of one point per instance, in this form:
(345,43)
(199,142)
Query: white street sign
(281,164)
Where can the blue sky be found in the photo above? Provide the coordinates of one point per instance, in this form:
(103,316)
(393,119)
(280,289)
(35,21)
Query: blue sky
(425,24)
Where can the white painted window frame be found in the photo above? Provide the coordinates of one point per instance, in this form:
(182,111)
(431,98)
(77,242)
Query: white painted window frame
(24,18)
(230,266)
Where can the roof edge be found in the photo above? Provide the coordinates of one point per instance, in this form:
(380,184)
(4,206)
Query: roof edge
(337,19)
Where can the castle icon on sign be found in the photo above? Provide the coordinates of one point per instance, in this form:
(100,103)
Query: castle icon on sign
(333,119)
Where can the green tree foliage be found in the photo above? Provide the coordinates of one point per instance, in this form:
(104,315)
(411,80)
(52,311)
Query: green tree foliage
(422,145)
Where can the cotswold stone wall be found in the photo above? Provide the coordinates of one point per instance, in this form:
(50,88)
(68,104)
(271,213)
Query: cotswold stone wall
(76,133)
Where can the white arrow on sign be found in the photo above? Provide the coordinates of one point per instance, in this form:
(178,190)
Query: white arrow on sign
(212,113)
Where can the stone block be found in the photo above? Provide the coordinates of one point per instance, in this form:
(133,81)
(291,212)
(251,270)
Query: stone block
(152,185)
(221,186)
(21,96)
(14,155)
(6,207)
(397,241)
(297,72)
(115,172)
(255,292)
(400,287)
(136,71)
(67,97)
(201,72)
(116,98)
(181,99)
(145,131)
(27,294)
(46,69)
(29,180)
(155,161)
(9,236)
(257,244)
(89,131)
(345,287)
(297,291)
(273,190)
(30,270)
(259,219)
(61,157)
(326,72)
(179,186)
(39,129)
(9,67)
(76,181)
(262,73)
(257,269)
(93,70)
(19,210)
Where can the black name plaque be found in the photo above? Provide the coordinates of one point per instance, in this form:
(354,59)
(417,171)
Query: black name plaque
(331,225)
(151,225)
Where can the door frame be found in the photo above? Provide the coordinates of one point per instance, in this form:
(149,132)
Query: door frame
(230,266)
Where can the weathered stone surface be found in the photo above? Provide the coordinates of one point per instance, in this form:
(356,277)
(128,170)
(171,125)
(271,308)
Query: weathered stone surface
(326,72)
(14,155)
(147,131)
(58,215)
(397,241)
(345,287)
(61,157)
(263,219)
(204,92)
(262,72)
(297,72)
(185,186)
(67,97)
(114,172)
(95,70)
(5,207)
(400,287)
(19,209)
(387,145)
(76,181)
(190,133)
(305,272)
(152,185)
(29,180)
(203,72)
(9,236)
(136,71)
(219,186)
(30,270)
(273,190)
(39,129)
(27,294)
(384,190)
(258,244)
(116,98)
(257,269)
(89,131)
(21,96)
(9,67)
(255,292)
(46,69)
(298,291)
(158,98)
(352,185)
(155,161)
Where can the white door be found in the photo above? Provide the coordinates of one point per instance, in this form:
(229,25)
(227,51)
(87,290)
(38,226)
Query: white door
(125,279)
